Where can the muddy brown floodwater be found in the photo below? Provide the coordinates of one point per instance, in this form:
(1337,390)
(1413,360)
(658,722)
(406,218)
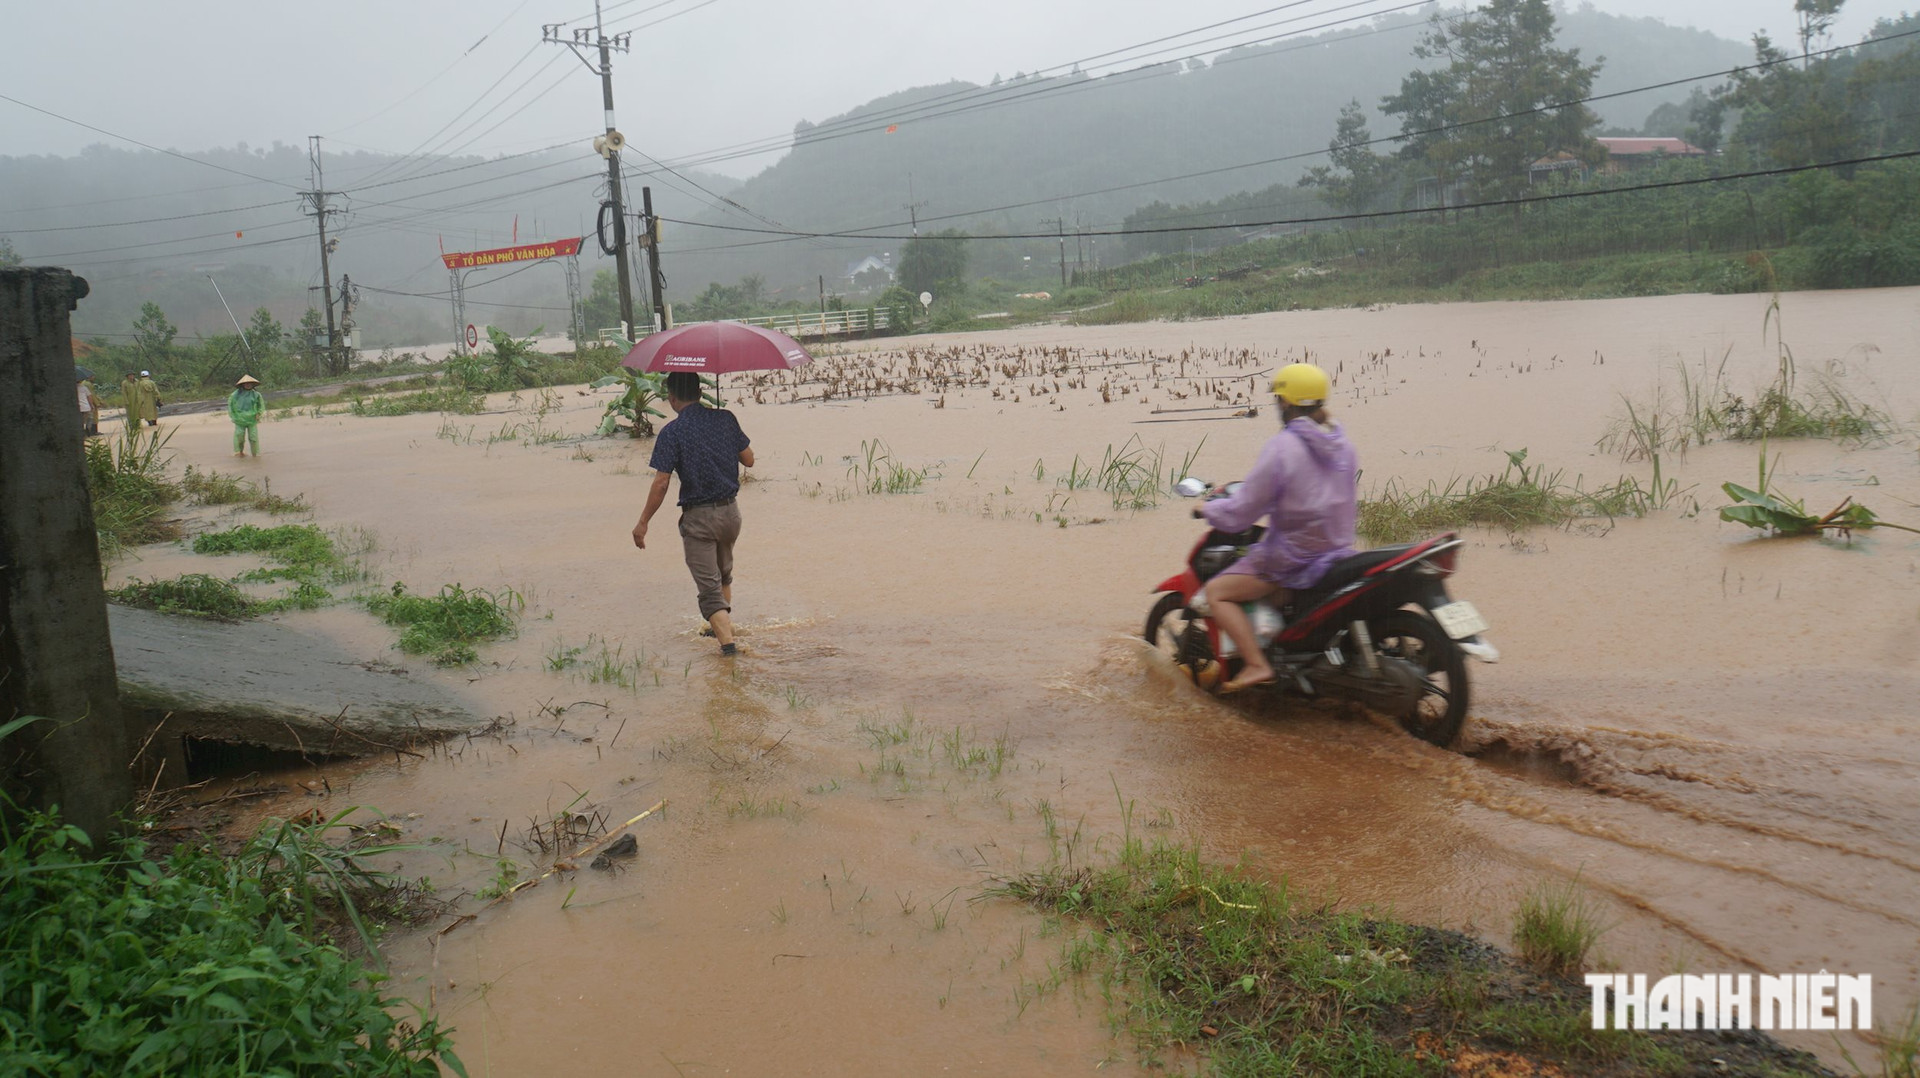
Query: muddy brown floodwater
(1714,732)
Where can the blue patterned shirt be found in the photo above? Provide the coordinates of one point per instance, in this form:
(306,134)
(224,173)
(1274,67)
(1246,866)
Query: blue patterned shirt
(703,446)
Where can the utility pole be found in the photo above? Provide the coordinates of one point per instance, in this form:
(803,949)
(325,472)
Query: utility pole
(656,282)
(913,207)
(316,205)
(1060,228)
(611,142)
(913,215)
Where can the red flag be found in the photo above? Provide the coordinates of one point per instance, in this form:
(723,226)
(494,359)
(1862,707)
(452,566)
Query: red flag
(891,128)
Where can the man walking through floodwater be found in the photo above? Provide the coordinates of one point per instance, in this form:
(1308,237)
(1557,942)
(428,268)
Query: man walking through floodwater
(706,447)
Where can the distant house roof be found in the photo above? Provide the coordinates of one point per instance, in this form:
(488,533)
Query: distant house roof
(1634,147)
(870,262)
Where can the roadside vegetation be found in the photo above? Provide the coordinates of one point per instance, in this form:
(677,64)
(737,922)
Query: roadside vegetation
(121,960)
(127,481)
(1189,956)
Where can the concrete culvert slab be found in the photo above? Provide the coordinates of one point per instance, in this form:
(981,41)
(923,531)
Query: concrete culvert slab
(271,685)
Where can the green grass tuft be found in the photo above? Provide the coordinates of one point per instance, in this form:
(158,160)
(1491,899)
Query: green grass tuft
(217,488)
(192,595)
(448,625)
(1556,926)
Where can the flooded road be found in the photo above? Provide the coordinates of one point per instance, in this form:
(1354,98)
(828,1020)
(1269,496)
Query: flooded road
(941,685)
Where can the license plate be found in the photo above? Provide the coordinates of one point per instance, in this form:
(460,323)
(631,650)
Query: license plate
(1460,620)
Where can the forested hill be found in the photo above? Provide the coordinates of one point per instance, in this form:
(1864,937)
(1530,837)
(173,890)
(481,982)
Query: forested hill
(1026,142)
(144,226)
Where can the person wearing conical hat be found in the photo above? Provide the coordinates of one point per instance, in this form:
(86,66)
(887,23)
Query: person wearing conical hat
(244,406)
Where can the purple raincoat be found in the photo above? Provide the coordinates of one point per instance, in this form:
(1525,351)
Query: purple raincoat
(1305,484)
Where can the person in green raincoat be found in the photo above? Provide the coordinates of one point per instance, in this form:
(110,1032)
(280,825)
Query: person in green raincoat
(149,399)
(244,406)
(132,395)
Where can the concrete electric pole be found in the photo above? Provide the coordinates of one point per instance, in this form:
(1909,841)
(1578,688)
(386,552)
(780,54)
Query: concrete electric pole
(316,205)
(608,144)
(1060,228)
(656,281)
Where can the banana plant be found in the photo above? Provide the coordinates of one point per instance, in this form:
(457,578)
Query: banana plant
(1769,511)
(636,405)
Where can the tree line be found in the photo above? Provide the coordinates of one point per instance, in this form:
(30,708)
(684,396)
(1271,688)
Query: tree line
(1486,107)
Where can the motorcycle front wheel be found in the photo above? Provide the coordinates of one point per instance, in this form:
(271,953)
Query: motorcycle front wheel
(1174,632)
(1437,716)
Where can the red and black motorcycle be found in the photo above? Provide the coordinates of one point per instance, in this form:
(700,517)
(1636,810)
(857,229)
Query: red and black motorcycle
(1379,629)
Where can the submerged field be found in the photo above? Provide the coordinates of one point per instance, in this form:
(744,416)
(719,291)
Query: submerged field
(949,544)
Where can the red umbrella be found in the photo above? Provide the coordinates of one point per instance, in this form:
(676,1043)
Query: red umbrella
(716,348)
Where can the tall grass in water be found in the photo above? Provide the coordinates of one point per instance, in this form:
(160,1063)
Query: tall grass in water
(1136,477)
(126,477)
(877,472)
(1899,1049)
(1556,926)
(1519,497)
(1708,409)
(218,488)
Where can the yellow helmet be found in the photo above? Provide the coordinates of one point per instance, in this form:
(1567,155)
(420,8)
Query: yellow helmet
(1302,385)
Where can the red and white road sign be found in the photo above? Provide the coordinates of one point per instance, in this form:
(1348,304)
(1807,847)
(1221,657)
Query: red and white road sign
(473,336)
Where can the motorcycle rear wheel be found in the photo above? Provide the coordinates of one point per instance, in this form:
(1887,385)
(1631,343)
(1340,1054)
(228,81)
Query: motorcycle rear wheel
(1173,632)
(1441,711)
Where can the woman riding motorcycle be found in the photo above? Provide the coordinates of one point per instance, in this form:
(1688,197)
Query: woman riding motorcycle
(1304,483)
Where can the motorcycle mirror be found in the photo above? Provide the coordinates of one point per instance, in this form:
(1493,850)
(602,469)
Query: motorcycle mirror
(1190,487)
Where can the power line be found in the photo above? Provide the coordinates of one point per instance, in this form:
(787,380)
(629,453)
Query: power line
(126,198)
(875,123)
(1693,181)
(865,232)
(482,96)
(980,97)
(443,71)
(663,18)
(155,243)
(463,168)
(145,145)
(147,220)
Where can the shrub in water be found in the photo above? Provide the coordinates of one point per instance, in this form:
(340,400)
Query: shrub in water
(447,625)
(194,595)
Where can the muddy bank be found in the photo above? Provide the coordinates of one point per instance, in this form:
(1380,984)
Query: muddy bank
(1713,732)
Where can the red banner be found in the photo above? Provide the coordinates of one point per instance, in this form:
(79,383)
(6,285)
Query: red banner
(526,252)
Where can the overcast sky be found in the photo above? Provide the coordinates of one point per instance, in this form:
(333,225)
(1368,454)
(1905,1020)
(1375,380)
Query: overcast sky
(396,75)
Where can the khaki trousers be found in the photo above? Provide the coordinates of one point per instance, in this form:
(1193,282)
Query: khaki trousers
(708,533)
